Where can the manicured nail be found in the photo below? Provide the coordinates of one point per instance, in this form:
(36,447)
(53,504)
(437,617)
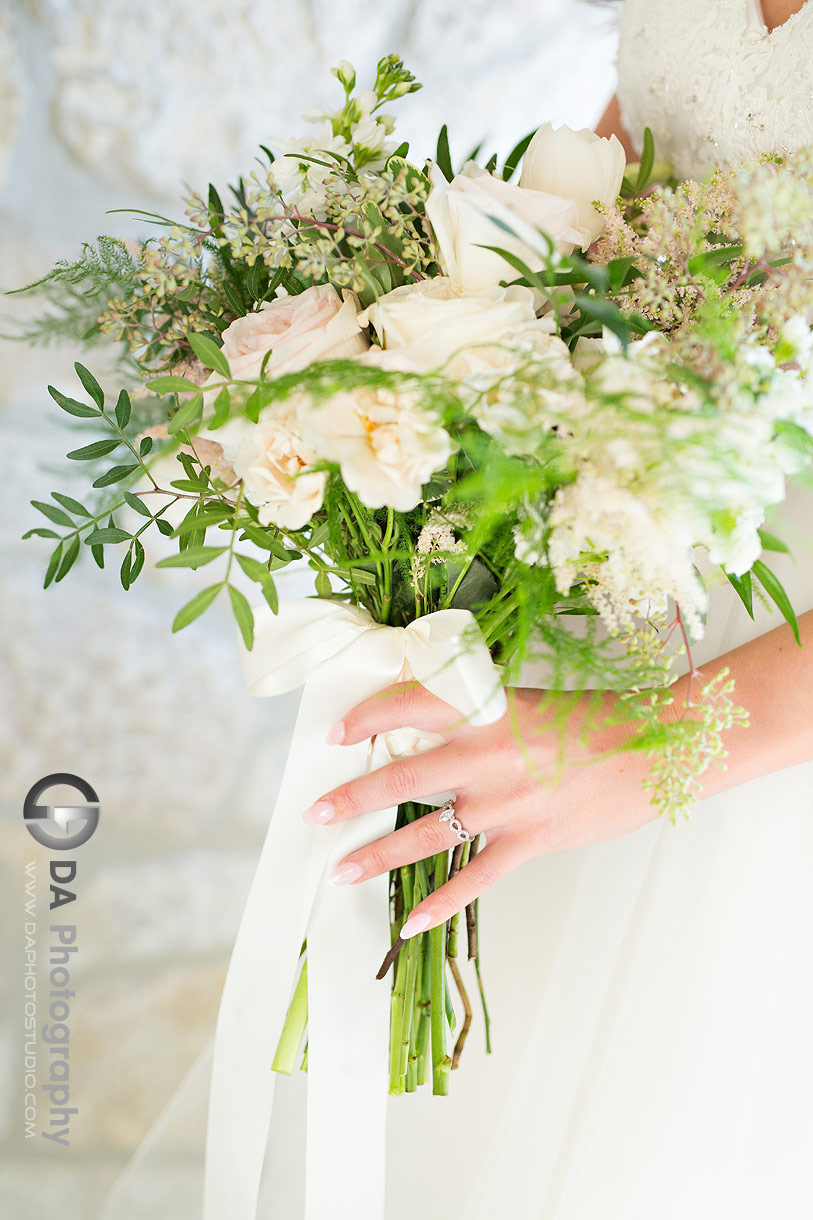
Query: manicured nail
(319,813)
(337,734)
(350,871)
(415,924)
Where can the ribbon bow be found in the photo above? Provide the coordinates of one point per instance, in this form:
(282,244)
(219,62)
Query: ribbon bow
(342,656)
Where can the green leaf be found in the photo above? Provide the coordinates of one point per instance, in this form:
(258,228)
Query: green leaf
(253,568)
(647,160)
(114,475)
(254,281)
(89,453)
(744,589)
(138,559)
(53,564)
(243,614)
(185,415)
(145,446)
(221,410)
(771,543)
(110,533)
(137,504)
(268,542)
(400,152)
(164,527)
(123,409)
(323,585)
(124,570)
(196,485)
(209,354)
(194,608)
(52,513)
(600,310)
(237,304)
(270,594)
(68,560)
(443,156)
(254,403)
(98,554)
(618,273)
(71,405)
(515,156)
(39,532)
(91,384)
(172,385)
(194,520)
(478,585)
(72,505)
(192,557)
(773,587)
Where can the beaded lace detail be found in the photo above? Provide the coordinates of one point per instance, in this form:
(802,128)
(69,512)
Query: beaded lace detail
(712,82)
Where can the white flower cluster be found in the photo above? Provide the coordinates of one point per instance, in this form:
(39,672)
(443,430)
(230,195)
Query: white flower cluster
(306,168)
(654,481)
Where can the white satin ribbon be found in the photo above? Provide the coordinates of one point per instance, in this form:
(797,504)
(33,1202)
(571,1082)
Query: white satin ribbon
(342,656)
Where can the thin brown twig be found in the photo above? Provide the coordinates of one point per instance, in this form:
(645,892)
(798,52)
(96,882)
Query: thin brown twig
(465,1027)
(471,917)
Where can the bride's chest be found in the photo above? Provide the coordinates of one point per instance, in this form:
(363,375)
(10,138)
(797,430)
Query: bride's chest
(712,82)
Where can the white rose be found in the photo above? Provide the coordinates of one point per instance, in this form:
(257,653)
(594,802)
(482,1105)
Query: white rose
(579,165)
(429,321)
(504,408)
(272,459)
(386,442)
(471,212)
(293,332)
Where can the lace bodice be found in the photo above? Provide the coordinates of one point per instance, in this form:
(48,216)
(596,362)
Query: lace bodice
(712,82)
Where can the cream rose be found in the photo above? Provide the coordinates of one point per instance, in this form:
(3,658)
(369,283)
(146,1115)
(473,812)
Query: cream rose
(293,332)
(272,459)
(516,417)
(579,165)
(478,209)
(386,442)
(429,321)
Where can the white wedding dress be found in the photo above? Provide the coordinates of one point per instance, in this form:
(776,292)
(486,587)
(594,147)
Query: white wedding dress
(651,997)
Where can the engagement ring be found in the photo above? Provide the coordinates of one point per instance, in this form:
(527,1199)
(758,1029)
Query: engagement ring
(447,815)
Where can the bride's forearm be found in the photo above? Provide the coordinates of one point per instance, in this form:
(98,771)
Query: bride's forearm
(774,681)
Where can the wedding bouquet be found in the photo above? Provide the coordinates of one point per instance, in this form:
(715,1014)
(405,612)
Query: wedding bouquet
(540,416)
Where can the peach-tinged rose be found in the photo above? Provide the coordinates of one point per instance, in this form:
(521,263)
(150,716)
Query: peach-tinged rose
(292,332)
(426,323)
(579,165)
(386,442)
(273,461)
(478,209)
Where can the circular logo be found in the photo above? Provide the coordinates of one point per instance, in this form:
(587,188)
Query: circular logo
(76,822)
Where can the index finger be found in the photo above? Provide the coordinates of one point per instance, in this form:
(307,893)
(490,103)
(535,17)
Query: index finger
(404,705)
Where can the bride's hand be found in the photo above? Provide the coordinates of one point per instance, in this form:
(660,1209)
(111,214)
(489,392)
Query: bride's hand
(530,787)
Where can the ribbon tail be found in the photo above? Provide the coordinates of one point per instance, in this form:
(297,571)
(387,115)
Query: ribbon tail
(348,1043)
(348,935)
(257,991)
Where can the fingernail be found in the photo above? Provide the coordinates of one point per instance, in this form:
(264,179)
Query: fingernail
(415,924)
(350,871)
(337,734)
(319,813)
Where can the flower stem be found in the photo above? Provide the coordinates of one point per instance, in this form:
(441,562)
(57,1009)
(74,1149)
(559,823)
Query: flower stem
(293,1030)
(441,1062)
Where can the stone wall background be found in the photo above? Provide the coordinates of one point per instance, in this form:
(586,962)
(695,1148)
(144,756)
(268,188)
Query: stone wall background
(105,104)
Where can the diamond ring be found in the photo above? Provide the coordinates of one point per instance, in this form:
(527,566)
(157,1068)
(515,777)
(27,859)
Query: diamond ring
(446,814)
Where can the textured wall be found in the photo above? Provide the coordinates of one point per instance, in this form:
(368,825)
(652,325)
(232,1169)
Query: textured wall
(103,104)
